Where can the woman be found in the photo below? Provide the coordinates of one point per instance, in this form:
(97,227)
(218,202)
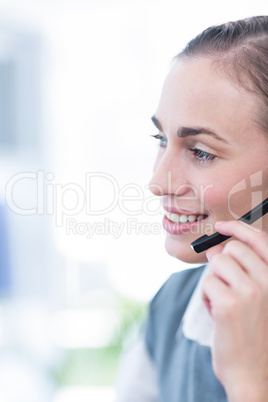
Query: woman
(206,337)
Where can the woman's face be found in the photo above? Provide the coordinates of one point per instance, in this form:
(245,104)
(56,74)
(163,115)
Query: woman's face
(212,162)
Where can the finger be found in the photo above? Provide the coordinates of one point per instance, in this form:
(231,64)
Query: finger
(231,273)
(255,239)
(227,269)
(207,303)
(213,251)
(250,262)
(214,293)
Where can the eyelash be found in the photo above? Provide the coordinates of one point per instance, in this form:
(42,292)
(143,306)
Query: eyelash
(199,155)
(162,140)
(202,156)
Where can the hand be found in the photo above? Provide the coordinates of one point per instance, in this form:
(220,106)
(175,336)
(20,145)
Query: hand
(236,295)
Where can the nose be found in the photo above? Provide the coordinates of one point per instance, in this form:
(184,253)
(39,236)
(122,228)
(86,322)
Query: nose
(169,175)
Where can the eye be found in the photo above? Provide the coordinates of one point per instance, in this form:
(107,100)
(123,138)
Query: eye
(202,156)
(162,140)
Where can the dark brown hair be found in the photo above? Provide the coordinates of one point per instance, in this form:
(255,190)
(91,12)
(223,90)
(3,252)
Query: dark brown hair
(241,48)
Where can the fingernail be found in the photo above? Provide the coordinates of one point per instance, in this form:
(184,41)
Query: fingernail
(208,257)
(219,223)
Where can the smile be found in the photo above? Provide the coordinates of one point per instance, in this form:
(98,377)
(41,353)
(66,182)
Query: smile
(176,218)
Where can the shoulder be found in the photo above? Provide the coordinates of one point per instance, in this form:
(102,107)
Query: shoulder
(168,306)
(179,284)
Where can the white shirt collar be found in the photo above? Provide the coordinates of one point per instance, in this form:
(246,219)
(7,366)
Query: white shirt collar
(197,323)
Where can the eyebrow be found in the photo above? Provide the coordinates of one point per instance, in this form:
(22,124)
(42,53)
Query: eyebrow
(183,132)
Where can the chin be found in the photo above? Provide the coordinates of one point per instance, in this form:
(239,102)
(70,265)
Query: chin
(182,251)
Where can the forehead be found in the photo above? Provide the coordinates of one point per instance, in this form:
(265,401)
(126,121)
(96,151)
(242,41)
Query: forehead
(198,93)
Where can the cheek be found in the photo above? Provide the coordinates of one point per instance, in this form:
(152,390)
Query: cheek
(232,199)
(216,196)
(225,200)
(263,182)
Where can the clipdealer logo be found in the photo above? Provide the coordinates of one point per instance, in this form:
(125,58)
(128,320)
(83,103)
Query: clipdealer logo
(255,184)
(100,195)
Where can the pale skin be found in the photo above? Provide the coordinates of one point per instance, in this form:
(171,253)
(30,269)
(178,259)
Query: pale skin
(236,294)
(198,173)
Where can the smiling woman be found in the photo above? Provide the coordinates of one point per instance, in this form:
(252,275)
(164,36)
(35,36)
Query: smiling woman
(207,328)
(209,140)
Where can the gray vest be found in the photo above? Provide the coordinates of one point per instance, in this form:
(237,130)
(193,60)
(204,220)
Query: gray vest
(184,367)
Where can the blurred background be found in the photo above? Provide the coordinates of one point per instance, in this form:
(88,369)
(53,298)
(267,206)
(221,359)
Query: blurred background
(81,242)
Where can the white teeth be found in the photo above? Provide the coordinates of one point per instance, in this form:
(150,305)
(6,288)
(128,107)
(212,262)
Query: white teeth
(183,218)
(174,218)
(192,218)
